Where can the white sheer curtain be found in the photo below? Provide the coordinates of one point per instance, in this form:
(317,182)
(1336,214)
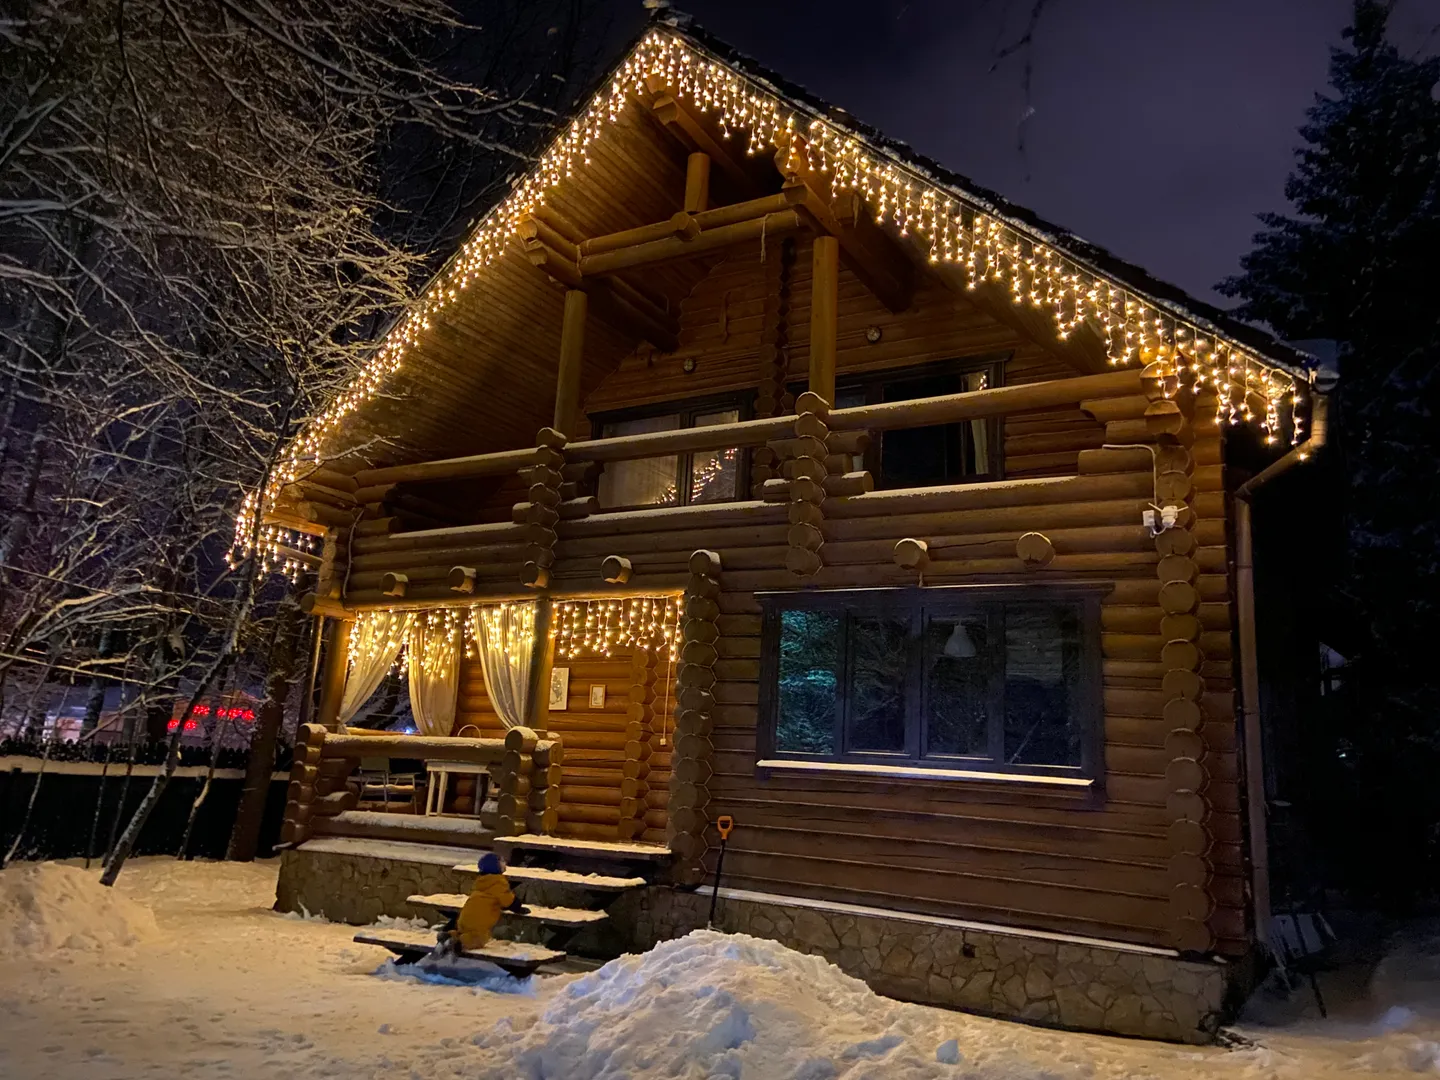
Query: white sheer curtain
(375,642)
(979,429)
(434,647)
(505,638)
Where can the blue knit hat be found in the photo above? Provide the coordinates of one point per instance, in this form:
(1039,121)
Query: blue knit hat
(490,864)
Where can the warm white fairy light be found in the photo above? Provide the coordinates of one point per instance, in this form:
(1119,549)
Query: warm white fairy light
(511,626)
(599,627)
(959,230)
(578,628)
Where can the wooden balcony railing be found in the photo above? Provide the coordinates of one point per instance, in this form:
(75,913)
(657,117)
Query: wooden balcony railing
(800,460)
(920,412)
(524,771)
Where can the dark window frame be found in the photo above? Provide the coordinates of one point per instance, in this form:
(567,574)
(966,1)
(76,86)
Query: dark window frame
(688,408)
(874,381)
(918,603)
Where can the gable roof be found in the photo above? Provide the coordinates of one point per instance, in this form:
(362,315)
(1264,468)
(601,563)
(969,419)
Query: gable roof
(471,313)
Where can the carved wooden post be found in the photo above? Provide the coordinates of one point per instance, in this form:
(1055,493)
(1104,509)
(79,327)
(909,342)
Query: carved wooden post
(824,308)
(300,795)
(1181,657)
(332,680)
(511,778)
(540,513)
(772,397)
(572,357)
(638,726)
(694,722)
(544,811)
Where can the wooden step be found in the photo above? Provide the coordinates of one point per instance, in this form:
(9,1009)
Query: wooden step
(448,902)
(589,849)
(552,916)
(516,957)
(540,875)
(414,828)
(559,916)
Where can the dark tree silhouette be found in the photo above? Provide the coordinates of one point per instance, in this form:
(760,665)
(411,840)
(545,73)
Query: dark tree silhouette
(1354,263)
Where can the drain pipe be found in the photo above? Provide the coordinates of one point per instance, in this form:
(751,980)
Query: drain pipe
(1249,672)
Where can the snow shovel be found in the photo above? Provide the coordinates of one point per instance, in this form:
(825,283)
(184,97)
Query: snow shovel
(724,823)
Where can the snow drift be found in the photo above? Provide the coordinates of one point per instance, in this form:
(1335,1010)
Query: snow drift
(47,908)
(710,1006)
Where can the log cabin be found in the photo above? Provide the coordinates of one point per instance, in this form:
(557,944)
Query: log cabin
(744,464)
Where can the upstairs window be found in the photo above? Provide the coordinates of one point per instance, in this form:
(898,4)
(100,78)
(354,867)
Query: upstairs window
(930,456)
(997,679)
(676,480)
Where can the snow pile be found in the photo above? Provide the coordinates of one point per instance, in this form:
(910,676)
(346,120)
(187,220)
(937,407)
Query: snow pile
(714,1006)
(46,907)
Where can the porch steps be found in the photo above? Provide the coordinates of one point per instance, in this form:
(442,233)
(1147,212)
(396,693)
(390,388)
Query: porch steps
(600,850)
(408,828)
(590,882)
(451,903)
(516,957)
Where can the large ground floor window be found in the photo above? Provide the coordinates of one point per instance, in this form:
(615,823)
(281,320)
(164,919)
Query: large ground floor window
(996,678)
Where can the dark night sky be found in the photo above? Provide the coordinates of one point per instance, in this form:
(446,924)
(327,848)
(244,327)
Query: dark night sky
(1160,126)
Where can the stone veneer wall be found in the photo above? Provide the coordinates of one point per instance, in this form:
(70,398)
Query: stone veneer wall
(357,888)
(1043,978)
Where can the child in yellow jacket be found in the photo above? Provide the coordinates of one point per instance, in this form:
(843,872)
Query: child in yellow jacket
(490,896)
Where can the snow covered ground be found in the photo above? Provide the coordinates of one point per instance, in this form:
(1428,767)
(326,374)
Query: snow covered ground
(184,971)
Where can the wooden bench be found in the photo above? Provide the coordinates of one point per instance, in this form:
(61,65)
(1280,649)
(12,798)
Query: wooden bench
(516,957)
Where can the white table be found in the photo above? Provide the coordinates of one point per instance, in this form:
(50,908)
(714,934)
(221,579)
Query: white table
(437,782)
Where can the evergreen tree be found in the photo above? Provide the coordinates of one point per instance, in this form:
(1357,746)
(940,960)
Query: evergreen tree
(1356,264)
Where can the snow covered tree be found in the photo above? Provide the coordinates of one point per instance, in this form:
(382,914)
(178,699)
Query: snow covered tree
(207,213)
(1355,264)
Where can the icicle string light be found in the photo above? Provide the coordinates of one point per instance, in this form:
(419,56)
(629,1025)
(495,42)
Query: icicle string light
(988,249)
(599,627)
(578,628)
(276,547)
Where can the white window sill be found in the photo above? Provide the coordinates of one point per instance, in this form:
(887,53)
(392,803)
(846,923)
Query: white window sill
(863,771)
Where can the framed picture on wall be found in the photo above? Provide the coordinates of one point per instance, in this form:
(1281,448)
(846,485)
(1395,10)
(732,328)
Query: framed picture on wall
(597,695)
(559,689)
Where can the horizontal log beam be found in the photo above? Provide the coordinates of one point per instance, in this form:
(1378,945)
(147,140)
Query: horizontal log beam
(675,248)
(692,225)
(984,404)
(499,463)
(423,747)
(685,440)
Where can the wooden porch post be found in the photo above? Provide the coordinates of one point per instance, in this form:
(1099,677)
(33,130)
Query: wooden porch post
(572,353)
(332,680)
(824,305)
(541,663)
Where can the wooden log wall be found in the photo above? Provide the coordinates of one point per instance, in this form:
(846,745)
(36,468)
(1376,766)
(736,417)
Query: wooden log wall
(691,776)
(300,794)
(600,745)
(986,851)
(750,315)
(1158,860)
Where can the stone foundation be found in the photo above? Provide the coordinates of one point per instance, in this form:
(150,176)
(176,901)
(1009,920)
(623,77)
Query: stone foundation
(1044,978)
(357,881)
(1056,979)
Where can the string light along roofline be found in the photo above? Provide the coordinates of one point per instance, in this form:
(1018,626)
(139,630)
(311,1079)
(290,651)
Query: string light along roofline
(963,226)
